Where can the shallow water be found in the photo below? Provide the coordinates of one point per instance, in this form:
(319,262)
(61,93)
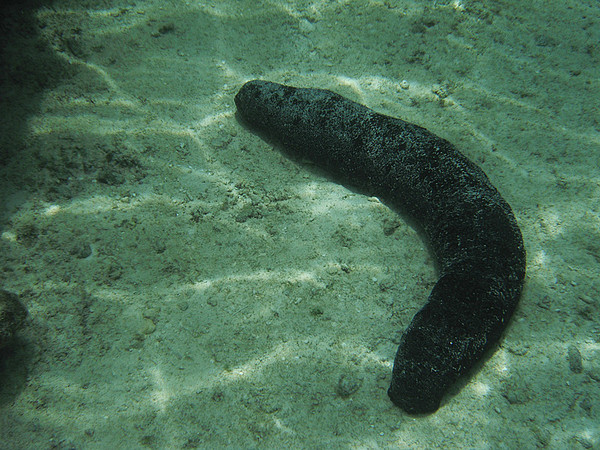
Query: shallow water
(188,286)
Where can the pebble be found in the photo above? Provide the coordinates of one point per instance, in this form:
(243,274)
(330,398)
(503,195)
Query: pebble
(348,385)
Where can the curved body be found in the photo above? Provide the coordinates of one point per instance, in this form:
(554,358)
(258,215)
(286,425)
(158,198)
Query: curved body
(469,227)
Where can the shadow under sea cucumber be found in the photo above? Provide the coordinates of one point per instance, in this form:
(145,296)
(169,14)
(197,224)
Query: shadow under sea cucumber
(469,227)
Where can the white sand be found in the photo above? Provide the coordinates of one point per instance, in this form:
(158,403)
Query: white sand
(229,289)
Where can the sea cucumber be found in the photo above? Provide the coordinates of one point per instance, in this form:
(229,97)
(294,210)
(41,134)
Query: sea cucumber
(469,227)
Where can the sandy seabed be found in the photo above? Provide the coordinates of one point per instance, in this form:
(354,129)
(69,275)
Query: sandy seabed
(188,286)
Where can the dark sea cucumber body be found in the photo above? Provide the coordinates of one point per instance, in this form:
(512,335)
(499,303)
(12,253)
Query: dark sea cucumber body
(469,227)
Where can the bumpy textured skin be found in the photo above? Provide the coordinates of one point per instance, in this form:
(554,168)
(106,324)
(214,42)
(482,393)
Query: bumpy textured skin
(469,227)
